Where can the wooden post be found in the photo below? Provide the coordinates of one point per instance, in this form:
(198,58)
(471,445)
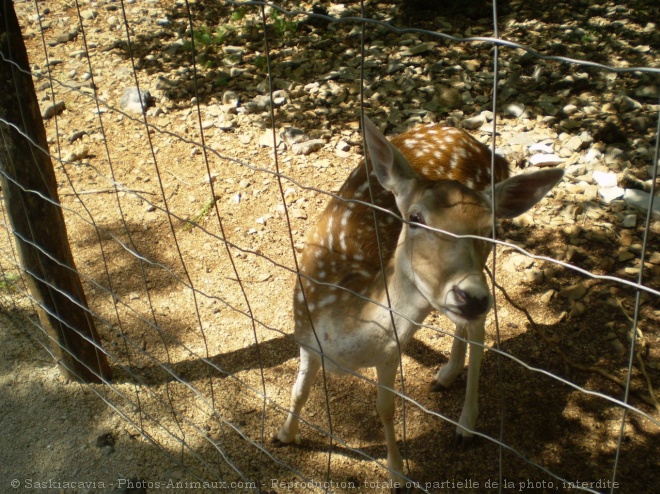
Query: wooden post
(29,188)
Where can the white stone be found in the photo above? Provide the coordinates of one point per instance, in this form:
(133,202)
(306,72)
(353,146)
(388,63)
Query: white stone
(610,193)
(545,160)
(605,179)
(541,148)
(639,199)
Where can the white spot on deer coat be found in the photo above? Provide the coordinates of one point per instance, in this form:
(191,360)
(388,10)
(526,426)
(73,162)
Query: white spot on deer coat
(330,299)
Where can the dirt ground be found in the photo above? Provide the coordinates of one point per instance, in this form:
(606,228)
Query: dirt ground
(189,267)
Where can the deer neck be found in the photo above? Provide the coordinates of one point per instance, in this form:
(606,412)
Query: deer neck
(409,306)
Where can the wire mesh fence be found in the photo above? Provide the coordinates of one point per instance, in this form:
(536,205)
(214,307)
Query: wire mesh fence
(195,143)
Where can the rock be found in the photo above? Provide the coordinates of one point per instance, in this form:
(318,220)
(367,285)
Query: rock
(266,140)
(230,99)
(68,36)
(605,179)
(591,192)
(226,122)
(578,309)
(629,221)
(467,98)
(638,199)
(393,66)
(154,111)
(259,104)
(625,255)
(550,273)
(651,92)
(523,139)
(473,123)
(547,296)
(593,154)
(307,147)
(279,98)
(450,97)
(626,103)
(640,124)
(76,135)
(77,153)
(534,275)
(574,143)
(135,101)
(290,195)
(574,292)
(618,347)
(609,194)
(418,49)
(163,83)
(298,213)
(88,14)
(541,148)
(292,135)
(545,160)
(236,51)
(515,110)
(54,109)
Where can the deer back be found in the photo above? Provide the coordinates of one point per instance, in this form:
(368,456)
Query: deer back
(343,247)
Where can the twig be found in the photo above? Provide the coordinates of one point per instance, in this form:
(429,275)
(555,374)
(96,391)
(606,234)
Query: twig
(178,178)
(106,191)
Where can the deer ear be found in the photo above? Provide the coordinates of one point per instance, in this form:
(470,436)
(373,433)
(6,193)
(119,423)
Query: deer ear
(390,166)
(517,194)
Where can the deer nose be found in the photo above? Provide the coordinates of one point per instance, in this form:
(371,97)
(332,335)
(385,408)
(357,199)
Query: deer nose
(469,305)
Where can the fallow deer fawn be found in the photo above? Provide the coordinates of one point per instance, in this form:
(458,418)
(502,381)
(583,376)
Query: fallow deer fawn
(431,176)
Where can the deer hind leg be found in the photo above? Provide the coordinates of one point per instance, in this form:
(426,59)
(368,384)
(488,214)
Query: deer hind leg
(385,407)
(310,363)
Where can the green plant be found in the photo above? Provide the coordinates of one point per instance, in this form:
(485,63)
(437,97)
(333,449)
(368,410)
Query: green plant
(208,207)
(221,81)
(282,25)
(8,282)
(206,37)
(261,63)
(238,14)
(589,37)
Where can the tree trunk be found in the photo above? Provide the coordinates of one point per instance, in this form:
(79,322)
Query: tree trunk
(29,188)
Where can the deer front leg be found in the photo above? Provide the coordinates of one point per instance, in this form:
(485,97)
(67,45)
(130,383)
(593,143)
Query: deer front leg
(450,371)
(385,406)
(310,363)
(468,418)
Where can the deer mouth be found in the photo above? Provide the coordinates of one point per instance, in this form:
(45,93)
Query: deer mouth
(466,306)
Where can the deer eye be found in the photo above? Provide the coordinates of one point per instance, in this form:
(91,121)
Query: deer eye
(417,218)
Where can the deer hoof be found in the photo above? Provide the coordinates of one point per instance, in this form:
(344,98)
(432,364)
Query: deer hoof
(276,442)
(436,387)
(462,443)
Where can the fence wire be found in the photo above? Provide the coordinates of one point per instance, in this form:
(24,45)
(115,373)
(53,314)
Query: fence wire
(187,218)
